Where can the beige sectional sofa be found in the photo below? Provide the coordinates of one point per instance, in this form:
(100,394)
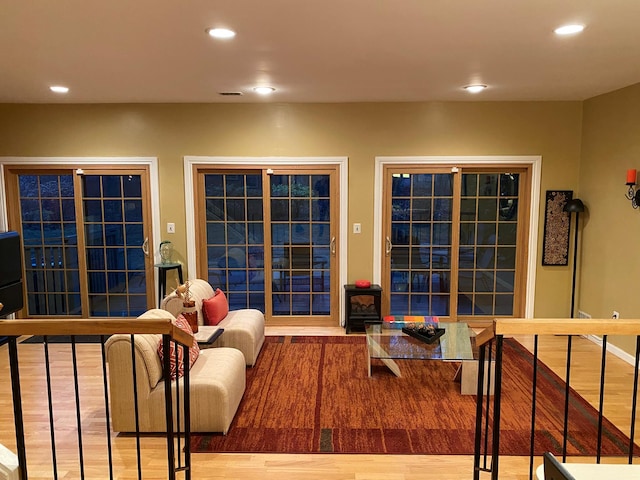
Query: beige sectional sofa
(243,329)
(217,381)
(217,378)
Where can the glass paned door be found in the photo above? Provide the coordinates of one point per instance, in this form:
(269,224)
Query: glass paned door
(84,240)
(452,240)
(235,237)
(267,239)
(420,243)
(50,240)
(487,252)
(116,245)
(301,244)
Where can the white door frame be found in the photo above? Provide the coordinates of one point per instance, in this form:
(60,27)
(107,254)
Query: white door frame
(261,162)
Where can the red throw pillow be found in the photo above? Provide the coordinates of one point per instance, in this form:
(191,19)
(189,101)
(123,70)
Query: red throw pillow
(194,351)
(215,308)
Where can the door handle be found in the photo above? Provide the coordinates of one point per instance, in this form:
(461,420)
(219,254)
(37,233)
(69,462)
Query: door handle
(332,245)
(388,246)
(145,246)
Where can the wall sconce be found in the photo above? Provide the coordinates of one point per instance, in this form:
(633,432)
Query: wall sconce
(632,194)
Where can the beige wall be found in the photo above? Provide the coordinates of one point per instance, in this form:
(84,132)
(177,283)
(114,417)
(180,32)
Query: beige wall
(610,259)
(357,131)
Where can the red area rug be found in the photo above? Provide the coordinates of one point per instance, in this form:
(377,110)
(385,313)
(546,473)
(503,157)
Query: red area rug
(313,395)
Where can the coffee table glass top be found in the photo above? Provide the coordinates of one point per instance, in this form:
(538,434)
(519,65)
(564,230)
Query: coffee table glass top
(387,341)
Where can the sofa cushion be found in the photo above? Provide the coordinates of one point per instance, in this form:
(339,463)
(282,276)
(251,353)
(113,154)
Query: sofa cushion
(215,309)
(194,351)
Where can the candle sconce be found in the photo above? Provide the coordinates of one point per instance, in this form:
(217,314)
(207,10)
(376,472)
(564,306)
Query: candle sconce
(632,194)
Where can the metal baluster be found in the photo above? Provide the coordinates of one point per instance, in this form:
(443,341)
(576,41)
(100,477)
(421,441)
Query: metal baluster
(486,427)
(17,407)
(566,401)
(168,407)
(77,395)
(106,405)
(185,363)
(495,448)
(534,394)
(602,374)
(136,412)
(479,399)
(187,422)
(49,398)
(634,400)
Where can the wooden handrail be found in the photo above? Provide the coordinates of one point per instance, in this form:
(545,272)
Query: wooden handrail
(566,326)
(485,336)
(58,326)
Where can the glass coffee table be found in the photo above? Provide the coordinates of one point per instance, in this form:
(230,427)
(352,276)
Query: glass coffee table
(387,342)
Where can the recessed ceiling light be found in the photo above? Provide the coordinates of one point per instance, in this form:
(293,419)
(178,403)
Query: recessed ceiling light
(475,88)
(59,89)
(222,33)
(569,29)
(264,90)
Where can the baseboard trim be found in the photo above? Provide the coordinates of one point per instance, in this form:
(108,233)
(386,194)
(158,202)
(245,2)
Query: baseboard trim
(612,349)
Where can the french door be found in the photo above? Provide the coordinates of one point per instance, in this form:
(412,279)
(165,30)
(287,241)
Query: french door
(85,237)
(455,240)
(267,238)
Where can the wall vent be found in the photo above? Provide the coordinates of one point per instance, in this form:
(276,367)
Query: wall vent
(230,94)
(582,314)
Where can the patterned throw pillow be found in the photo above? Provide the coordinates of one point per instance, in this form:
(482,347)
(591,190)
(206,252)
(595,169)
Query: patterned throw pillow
(194,351)
(215,308)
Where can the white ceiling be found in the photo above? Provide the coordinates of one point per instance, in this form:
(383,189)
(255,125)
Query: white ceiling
(314,50)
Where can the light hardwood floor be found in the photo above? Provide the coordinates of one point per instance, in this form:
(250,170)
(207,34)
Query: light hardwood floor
(585,371)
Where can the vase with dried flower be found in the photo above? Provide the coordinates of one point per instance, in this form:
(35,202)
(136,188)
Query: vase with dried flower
(188,306)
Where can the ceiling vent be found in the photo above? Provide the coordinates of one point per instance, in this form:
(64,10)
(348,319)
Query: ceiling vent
(230,94)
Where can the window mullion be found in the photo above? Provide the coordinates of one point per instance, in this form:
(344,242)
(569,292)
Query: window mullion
(455,243)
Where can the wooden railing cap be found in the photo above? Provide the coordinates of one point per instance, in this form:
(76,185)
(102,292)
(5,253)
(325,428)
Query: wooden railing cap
(159,324)
(566,326)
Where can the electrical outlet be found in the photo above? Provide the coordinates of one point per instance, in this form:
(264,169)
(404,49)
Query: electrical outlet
(616,315)
(171,228)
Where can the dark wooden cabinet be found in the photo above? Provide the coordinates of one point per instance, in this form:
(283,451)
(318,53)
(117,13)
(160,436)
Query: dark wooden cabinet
(361,305)
(11,296)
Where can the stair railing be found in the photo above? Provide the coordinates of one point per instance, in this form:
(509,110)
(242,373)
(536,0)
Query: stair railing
(490,349)
(178,458)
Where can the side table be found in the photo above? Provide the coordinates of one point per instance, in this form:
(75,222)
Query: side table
(162,277)
(207,335)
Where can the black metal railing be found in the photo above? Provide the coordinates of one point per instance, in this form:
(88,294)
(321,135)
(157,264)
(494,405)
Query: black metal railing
(491,342)
(178,457)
